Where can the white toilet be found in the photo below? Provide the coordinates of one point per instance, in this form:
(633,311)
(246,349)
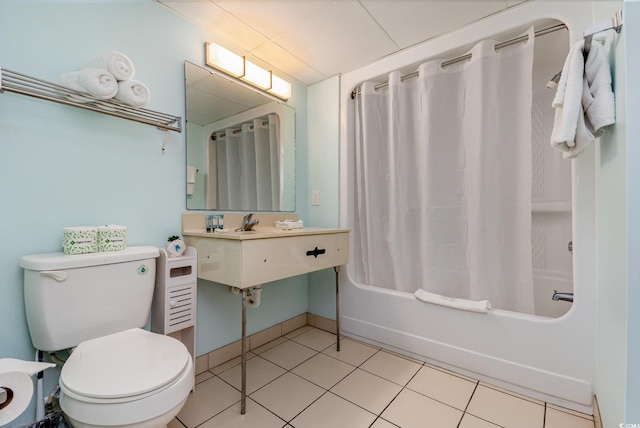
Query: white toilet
(118,375)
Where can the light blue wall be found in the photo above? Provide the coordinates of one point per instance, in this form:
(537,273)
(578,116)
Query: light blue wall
(323,172)
(62,166)
(196,157)
(613,384)
(632,41)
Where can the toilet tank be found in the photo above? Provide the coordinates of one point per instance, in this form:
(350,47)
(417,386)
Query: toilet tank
(73,298)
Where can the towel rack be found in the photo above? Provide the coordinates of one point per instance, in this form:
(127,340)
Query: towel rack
(614,24)
(19,83)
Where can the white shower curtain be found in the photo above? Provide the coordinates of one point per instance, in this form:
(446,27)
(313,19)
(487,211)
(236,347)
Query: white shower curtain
(443,179)
(248,165)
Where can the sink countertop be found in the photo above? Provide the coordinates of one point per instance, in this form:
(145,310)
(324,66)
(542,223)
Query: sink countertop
(264,232)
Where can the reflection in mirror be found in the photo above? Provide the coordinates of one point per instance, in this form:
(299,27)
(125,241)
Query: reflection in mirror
(240,146)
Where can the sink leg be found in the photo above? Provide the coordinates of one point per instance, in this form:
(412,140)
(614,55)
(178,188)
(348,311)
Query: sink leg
(243,353)
(337,270)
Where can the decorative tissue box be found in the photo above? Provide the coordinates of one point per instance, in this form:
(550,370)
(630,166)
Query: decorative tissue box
(112,238)
(80,240)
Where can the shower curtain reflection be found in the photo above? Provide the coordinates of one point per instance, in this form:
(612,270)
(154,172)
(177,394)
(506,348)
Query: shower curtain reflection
(443,179)
(248,165)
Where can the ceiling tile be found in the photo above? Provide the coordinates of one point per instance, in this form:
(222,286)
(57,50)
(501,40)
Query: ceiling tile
(279,58)
(338,38)
(311,40)
(411,22)
(271,18)
(219,22)
(203,13)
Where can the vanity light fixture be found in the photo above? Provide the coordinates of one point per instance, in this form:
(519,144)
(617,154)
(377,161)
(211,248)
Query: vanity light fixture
(239,67)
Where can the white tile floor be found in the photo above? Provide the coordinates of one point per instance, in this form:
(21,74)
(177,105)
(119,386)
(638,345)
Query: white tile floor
(301,381)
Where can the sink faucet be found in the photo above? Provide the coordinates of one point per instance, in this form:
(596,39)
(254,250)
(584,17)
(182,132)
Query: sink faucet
(247,223)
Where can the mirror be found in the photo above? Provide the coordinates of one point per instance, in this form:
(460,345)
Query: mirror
(240,145)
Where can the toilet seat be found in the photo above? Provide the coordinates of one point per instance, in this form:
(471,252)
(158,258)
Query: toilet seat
(126,378)
(123,365)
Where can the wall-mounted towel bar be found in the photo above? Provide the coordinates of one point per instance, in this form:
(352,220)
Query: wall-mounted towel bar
(19,83)
(614,24)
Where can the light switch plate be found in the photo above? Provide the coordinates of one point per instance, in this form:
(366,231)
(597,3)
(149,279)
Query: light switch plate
(315,197)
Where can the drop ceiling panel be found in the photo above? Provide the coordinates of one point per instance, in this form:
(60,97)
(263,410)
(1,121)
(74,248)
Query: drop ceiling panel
(219,22)
(311,40)
(271,18)
(339,37)
(411,22)
(272,53)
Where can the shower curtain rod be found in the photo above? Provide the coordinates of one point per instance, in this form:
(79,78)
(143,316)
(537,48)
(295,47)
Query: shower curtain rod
(236,131)
(455,60)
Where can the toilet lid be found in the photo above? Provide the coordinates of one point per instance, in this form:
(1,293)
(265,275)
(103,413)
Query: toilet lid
(124,364)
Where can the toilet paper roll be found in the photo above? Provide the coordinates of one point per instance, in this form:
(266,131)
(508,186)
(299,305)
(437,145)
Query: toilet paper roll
(80,240)
(19,387)
(112,237)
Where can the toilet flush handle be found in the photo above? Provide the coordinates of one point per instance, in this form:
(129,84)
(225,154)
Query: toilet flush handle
(58,275)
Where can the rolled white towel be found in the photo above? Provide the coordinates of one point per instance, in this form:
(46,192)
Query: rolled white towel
(115,63)
(133,93)
(95,81)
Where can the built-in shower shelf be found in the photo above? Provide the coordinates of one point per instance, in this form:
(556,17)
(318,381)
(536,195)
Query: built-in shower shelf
(19,83)
(551,206)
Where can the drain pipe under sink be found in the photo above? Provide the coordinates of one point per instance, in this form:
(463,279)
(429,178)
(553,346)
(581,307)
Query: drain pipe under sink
(253,295)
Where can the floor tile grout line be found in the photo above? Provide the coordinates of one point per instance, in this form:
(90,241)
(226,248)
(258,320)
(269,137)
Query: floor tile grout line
(300,363)
(313,349)
(327,389)
(351,402)
(269,410)
(389,403)
(380,417)
(464,412)
(287,422)
(215,414)
(381,377)
(571,412)
(272,380)
(305,408)
(513,394)
(276,345)
(410,389)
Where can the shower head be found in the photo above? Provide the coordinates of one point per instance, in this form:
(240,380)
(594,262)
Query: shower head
(551,84)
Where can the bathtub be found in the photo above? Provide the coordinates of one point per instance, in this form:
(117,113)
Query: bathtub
(548,356)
